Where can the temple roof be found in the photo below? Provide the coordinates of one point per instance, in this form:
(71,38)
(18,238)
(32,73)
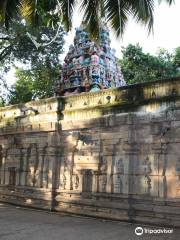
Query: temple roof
(89,66)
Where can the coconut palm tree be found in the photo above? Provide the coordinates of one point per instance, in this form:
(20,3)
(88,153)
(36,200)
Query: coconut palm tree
(116,12)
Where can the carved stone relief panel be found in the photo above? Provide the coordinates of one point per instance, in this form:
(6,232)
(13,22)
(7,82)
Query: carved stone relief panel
(32,164)
(146,180)
(76,182)
(45,170)
(117,183)
(102,182)
(102,174)
(147,169)
(118,175)
(65,174)
(102,164)
(119,166)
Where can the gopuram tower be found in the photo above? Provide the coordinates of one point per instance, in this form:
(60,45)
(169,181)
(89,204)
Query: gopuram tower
(90,67)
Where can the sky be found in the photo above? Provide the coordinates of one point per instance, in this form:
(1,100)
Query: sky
(166,33)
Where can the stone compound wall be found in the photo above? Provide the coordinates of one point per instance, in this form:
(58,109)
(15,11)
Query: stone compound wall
(112,154)
(27,152)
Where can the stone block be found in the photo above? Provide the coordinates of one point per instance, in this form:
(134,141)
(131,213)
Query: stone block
(172,189)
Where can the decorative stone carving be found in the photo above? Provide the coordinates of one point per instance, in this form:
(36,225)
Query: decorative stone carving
(103,165)
(114,158)
(65,175)
(119,166)
(76,182)
(117,183)
(147,177)
(102,182)
(84,56)
(95,59)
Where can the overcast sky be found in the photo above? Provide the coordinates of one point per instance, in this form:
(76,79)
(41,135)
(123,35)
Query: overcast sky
(166,32)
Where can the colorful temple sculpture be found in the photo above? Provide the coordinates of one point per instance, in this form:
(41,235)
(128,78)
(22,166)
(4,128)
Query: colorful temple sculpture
(90,67)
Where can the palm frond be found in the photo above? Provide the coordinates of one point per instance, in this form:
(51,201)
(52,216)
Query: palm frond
(117,13)
(28,9)
(167,1)
(8,10)
(93,11)
(142,11)
(67,8)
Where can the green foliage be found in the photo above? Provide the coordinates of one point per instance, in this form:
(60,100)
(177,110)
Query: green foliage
(39,49)
(22,90)
(176,58)
(50,11)
(26,44)
(138,66)
(2,103)
(33,84)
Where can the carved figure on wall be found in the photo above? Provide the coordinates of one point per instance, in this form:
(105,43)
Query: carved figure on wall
(95,59)
(102,182)
(117,183)
(103,165)
(147,166)
(95,71)
(76,181)
(65,175)
(147,184)
(64,181)
(119,166)
(147,170)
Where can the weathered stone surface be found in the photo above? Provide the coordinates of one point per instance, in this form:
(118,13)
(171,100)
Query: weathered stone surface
(115,158)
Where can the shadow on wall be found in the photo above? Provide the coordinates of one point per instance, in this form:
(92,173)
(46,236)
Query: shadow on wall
(27,155)
(104,159)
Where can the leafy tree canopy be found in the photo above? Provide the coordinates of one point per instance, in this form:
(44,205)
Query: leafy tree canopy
(176,58)
(22,90)
(33,84)
(30,45)
(138,66)
(38,48)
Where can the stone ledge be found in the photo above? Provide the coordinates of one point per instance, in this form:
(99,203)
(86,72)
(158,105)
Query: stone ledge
(89,105)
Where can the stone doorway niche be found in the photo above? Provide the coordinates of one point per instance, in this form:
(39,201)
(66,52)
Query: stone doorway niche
(12,176)
(87,180)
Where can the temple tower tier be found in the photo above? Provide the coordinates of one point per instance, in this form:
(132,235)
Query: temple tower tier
(89,66)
